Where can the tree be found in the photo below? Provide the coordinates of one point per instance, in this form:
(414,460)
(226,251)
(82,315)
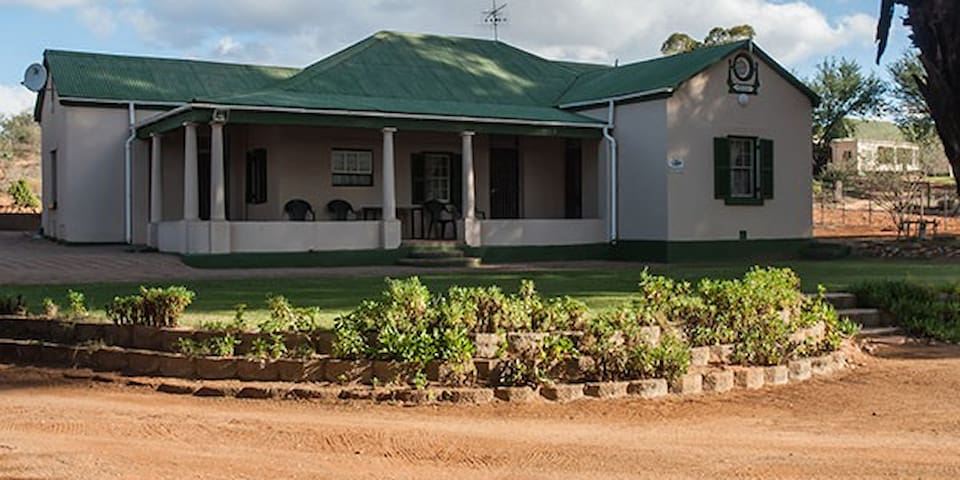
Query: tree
(681,42)
(844,91)
(935,26)
(19,136)
(911,114)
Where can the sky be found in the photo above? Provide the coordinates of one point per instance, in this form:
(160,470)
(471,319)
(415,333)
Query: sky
(798,33)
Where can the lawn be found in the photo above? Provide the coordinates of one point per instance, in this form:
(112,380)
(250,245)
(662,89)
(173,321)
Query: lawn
(598,288)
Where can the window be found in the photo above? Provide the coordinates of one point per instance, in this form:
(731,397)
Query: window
(436,176)
(257,176)
(53,180)
(742,168)
(352,168)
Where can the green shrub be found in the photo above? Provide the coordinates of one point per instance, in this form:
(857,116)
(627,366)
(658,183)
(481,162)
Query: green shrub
(22,195)
(50,307)
(284,317)
(157,307)
(536,362)
(222,346)
(920,309)
(13,305)
(621,351)
(76,304)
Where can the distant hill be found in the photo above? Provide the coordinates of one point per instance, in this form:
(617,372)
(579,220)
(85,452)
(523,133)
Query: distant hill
(19,155)
(876,130)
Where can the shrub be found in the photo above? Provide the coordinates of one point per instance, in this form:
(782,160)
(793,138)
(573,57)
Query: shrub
(22,195)
(284,317)
(920,309)
(50,308)
(620,350)
(13,305)
(157,307)
(536,362)
(76,304)
(222,346)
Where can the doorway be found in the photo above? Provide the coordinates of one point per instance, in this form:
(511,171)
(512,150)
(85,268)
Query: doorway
(504,183)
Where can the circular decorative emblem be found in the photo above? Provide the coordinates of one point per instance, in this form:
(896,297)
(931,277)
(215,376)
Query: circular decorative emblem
(743,67)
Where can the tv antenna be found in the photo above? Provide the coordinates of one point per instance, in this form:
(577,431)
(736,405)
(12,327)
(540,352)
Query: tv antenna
(495,16)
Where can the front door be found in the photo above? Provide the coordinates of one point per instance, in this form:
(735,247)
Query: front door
(504,183)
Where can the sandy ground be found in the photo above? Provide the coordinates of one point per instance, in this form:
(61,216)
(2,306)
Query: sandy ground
(857,221)
(893,417)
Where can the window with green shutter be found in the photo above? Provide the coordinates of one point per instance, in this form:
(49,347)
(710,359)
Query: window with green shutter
(743,170)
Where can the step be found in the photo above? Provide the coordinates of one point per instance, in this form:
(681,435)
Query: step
(841,300)
(435,253)
(466,262)
(431,244)
(879,332)
(866,317)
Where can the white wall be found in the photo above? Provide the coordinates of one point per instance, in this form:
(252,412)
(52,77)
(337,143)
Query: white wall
(535,232)
(703,109)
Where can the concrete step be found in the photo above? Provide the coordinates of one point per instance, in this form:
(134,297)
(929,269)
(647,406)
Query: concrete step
(842,300)
(432,244)
(464,262)
(866,317)
(435,253)
(879,332)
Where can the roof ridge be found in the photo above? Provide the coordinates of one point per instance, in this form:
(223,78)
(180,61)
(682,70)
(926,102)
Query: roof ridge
(154,58)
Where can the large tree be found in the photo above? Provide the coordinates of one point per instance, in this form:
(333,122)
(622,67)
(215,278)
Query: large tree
(844,91)
(911,112)
(680,42)
(935,27)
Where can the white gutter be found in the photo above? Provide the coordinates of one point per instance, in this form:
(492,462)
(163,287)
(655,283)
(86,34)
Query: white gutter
(620,98)
(611,106)
(364,113)
(127,169)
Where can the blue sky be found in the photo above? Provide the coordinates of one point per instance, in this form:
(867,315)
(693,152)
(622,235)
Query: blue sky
(799,33)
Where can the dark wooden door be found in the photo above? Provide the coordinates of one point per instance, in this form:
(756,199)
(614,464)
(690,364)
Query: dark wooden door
(573,180)
(504,183)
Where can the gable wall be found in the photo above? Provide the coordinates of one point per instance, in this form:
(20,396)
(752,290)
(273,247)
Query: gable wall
(703,109)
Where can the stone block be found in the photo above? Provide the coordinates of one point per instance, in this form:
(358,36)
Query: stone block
(750,378)
(721,354)
(348,371)
(177,388)
(118,335)
(290,370)
(689,384)
(257,370)
(563,392)
(175,365)
(452,373)
(89,332)
(394,373)
(257,392)
(323,342)
(109,360)
(515,394)
(776,375)
(314,369)
(718,381)
(606,389)
(215,391)
(468,395)
(649,389)
(143,363)
(417,396)
(699,356)
(651,335)
(822,365)
(800,369)
(313,393)
(487,344)
(56,355)
(216,368)
(145,337)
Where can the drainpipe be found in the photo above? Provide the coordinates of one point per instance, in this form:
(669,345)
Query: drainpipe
(613,170)
(127,169)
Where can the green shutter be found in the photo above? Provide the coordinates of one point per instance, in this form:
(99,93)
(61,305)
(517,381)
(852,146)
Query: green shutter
(456,181)
(766,168)
(721,167)
(418,189)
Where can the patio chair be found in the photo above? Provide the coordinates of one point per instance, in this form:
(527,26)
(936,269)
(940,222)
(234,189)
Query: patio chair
(341,210)
(297,210)
(441,214)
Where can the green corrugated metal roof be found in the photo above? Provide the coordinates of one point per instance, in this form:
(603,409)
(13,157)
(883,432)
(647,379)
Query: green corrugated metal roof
(118,77)
(388,72)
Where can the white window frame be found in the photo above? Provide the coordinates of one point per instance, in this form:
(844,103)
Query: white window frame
(433,181)
(354,163)
(751,168)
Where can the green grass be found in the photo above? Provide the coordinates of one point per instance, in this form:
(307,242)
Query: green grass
(598,288)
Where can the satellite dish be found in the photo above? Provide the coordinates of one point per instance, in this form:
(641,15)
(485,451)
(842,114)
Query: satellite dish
(35,77)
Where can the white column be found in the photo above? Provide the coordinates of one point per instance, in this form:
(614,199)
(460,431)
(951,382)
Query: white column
(218,209)
(389,187)
(469,192)
(156,183)
(191,205)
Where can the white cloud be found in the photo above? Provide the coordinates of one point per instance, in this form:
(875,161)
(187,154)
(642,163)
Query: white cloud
(299,32)
(98,20)
(15,99)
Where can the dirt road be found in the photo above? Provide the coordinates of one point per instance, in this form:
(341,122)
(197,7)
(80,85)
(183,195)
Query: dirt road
(897,416)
